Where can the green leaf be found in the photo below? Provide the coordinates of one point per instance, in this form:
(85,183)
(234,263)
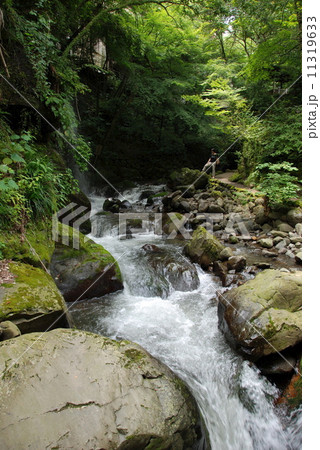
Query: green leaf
(4,168)
(7,161)
(17,158)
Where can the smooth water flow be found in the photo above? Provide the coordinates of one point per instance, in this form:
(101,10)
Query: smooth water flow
(181,329)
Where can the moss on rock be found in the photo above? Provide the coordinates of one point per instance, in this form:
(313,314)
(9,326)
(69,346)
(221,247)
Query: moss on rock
(263,316)
(17,246)
(33,301)
(84,272)
(204,248)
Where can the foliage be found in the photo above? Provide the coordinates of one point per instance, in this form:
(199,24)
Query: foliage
(278,182)
(30,184)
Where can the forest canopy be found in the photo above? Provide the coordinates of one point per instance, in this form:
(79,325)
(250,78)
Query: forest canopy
(140,88)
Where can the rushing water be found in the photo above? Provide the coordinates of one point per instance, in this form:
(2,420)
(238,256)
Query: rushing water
(181,330)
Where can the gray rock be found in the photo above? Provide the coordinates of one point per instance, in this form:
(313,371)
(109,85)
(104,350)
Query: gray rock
(266,228)
(8,330)
(285,227)
(282,244)
(276,233)
(259,214)
(215,208)
(294,216)
(295,240)
(185,206)
(203,206)
(298,229)
(86,391)
(266,243)
(269,254)
(283,251)
(290,254)
(226,253)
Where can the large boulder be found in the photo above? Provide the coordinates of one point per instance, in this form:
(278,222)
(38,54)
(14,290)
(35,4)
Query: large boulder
(32,301)
(204,248)
(84,273)
(188,177)
(263,316)
(74,389)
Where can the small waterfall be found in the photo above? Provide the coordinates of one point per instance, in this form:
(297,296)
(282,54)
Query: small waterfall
(236,401)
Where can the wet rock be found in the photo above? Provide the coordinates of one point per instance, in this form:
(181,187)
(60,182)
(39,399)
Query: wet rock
(32,302)
(263,265)
(236,263)
(91,271)
(204,248)
(164,272)
(125,205)
(226,253)
(266,243)
(87,391)
(8,330)
(112,205)
(151,248)
(269,254)
(86,227)
(276,364)
(221,271)
(263,316)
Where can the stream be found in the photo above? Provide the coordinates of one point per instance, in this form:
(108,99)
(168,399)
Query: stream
(181,330)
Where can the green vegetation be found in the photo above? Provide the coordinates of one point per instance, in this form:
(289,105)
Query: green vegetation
(143,87)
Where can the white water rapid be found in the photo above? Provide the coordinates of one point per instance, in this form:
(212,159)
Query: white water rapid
(181,330)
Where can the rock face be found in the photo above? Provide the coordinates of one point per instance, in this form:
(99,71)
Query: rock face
(86,391)
(88,272)
(204,248)
(263,315)
(32,302)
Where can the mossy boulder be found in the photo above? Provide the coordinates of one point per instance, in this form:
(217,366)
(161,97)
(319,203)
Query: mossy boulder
(18,247)
(204,248)
(263,316)
(188,177)
(83,273)
(32,301)
(86,391)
